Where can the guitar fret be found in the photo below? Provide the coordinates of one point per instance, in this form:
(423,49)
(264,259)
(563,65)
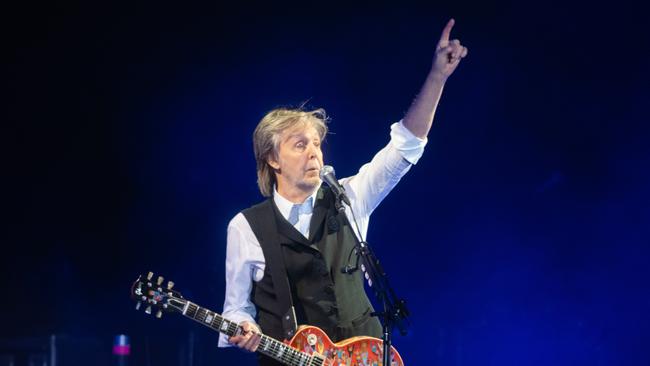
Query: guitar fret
(269,346)
(280,351)
(286,354)
(232,328)
(289,352)
(224,326)
(216,322)
(276,349)
(209,317)
(292,355)
(200,315)
(302,358)
(191,310)
(265,343)
(204,315)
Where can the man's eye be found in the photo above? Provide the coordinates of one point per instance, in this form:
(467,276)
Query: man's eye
(317,143)
(300,145)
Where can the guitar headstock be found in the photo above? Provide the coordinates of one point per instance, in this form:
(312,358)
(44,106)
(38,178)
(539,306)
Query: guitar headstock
(155,295)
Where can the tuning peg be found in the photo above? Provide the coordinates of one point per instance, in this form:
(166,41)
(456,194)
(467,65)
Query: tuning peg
(170,284)
(148,309)
(159,314)
(160,280)
(138,305)
(149,276)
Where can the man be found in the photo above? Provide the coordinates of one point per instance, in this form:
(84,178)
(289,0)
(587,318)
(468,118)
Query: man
(285,255)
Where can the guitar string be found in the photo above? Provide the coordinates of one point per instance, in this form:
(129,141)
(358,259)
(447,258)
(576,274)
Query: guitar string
(289,354)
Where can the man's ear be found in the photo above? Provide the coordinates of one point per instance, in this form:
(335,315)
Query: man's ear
(273,163)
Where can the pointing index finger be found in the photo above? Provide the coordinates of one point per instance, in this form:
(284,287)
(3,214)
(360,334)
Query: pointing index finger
(444,38)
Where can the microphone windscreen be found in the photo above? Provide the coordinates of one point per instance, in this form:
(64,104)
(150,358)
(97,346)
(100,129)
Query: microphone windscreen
(325,170)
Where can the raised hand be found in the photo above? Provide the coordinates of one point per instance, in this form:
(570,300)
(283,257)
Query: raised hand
(448,53)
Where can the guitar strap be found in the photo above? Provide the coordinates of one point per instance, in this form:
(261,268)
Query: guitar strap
(262,220)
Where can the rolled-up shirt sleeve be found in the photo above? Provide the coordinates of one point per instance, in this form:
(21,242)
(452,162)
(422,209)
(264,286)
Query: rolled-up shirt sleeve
(410,146)
(377,178)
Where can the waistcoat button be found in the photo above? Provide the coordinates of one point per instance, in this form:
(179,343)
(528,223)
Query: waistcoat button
(333,310)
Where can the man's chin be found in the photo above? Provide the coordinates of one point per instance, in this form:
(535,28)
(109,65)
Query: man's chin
(311,183)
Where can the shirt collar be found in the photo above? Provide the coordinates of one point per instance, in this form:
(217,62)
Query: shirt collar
(284,205)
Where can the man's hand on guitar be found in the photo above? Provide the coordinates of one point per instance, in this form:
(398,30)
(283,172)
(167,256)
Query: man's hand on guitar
(249,339)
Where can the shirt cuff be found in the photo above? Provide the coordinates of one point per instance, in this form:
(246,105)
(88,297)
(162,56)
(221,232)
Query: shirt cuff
(410,146)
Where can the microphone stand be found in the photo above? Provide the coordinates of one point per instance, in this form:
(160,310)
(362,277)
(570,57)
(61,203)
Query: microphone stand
(395,312)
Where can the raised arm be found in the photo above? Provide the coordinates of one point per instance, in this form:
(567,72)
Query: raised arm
(448,54)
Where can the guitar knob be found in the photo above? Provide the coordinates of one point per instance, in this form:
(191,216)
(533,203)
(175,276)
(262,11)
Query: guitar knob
(149,276)
(138,305)
(170,284)
(160,280)
(148,309)
(159,314)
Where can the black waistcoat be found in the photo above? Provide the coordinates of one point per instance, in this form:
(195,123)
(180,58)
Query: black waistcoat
(322,295)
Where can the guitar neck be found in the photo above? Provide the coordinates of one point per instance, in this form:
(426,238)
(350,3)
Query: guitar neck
(268,346)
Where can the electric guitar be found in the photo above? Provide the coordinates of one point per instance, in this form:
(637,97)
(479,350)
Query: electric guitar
(310,346)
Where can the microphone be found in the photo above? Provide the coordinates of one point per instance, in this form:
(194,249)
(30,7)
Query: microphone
(328,176)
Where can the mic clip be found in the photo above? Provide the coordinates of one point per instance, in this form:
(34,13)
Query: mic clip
(349,269)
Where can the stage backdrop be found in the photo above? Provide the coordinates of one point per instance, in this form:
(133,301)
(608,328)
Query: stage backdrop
(520,238)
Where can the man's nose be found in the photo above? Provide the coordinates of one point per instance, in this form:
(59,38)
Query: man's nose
(312,151)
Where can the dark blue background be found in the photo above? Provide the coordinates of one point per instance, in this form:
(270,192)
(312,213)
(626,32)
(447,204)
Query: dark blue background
(520,238)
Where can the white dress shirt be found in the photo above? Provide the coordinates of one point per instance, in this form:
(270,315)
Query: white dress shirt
(244,257)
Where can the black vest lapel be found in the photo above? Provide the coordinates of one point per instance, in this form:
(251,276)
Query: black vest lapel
(286,229)
(321,209)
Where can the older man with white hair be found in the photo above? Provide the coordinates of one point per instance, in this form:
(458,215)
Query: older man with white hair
(284,255)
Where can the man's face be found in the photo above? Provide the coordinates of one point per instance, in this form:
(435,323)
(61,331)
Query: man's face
(299,160)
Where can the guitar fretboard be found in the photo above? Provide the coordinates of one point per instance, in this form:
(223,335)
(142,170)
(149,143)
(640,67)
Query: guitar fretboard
(268,346)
